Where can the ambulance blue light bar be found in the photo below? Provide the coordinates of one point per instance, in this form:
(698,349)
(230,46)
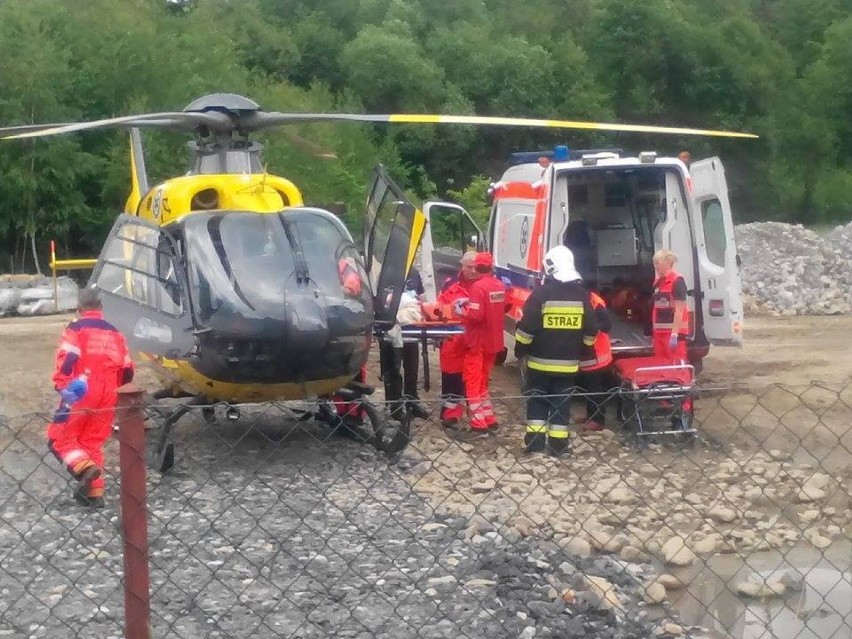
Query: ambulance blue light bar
(560,153)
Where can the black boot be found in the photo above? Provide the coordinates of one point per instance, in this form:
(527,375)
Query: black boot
(535,442)
(558,446)
(416,409)
(89,502)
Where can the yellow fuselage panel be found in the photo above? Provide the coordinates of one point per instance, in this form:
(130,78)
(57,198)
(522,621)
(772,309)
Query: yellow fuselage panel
(171,200)
(181,375)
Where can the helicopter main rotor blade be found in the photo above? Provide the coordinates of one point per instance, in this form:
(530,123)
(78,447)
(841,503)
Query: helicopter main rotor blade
(166,120)
(262,120)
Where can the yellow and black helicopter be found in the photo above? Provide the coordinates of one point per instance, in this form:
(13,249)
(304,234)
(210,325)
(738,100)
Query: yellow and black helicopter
(234,290)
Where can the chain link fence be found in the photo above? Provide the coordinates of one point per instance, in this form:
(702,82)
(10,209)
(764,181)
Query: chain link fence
(271,524)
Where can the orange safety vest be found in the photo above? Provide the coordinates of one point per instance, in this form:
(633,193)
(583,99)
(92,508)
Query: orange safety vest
(663,315)
(602,346)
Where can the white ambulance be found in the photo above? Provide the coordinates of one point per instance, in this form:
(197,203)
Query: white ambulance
(614,212)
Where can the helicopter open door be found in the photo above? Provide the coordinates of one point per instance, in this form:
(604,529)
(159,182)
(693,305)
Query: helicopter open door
(718,261)
(143,288)
(450,233)
(392,232)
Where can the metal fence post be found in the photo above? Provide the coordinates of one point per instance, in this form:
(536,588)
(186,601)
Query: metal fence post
(134,511)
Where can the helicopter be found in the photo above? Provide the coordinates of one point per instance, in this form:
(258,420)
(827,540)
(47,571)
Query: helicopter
(234,291)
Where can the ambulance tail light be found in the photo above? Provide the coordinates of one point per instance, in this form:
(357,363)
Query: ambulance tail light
(717,308)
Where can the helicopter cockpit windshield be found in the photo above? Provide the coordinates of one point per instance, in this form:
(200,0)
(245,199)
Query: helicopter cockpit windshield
(245,266)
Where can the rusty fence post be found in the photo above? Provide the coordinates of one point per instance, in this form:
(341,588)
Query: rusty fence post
(130,415)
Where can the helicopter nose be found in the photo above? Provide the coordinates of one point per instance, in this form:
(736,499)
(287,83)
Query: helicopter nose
(307,324)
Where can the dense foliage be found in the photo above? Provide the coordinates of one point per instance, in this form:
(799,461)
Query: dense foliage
(782,69)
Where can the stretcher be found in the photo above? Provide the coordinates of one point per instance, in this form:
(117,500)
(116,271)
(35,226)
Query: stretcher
(655,397)
(425,333)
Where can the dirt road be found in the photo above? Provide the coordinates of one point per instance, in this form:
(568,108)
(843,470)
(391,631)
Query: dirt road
(793,351)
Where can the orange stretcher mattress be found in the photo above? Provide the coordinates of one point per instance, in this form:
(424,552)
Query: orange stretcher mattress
(633,369)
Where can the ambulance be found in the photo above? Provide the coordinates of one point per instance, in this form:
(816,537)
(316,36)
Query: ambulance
(614,212)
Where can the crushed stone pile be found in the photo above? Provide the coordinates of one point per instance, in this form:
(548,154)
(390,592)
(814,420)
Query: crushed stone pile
(33,295)
(790,270)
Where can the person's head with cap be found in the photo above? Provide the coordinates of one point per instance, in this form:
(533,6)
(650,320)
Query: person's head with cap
(559,264)
(484,263)
(89,299)
(468,265)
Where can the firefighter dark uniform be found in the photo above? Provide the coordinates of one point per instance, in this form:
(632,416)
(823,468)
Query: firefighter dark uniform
(594,367)
(557,327)
(483,339)
(452,356)
(668,289)
(93,347)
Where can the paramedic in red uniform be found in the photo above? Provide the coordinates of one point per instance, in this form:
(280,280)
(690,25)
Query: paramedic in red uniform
(595,368)
(670,314)
(453,349)
(91,363)
(483,337)
(351,413)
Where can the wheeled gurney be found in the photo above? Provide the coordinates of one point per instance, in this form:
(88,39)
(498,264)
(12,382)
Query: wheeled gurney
(655,397)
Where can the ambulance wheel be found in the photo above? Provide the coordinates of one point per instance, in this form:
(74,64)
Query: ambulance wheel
(697,365)
(501,357)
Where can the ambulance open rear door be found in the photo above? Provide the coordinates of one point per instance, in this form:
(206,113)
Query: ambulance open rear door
(450,232)
(718,261)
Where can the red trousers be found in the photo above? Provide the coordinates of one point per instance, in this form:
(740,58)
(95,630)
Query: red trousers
(477,373)
(77,437)
(676,355)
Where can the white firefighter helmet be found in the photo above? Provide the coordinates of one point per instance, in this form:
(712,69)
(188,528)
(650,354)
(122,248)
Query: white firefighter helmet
(559,264)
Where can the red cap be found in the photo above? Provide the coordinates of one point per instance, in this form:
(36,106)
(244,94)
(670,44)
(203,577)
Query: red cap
(484,259)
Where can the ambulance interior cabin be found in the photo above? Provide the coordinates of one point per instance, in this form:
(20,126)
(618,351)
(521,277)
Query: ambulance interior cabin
(614,219)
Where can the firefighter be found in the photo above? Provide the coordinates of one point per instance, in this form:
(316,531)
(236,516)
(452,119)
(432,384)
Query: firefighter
(594,368)
(483,338)
(557,326)
(670,314)
(453,349)
(91,363)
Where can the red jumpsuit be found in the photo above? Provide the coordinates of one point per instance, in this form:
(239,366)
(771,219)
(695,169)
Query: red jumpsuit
(77,436)
(452,356)
(483,336)
(350,280)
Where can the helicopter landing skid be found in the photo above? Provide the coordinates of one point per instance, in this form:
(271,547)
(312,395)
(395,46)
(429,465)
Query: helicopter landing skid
(163,456)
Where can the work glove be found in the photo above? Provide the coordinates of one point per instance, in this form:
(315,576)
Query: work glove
(75,391)
(673,340)
(459,305)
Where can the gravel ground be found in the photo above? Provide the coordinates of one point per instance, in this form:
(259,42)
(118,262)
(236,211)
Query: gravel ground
(291,534)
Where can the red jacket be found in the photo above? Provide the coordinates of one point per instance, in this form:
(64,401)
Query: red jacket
(93,344)
(483,321)
(452,349)
(601,355)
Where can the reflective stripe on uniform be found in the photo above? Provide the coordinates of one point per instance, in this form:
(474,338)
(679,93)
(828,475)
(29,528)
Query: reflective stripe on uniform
(595,362)
(536,426)
(558,431)
(553,365)
(561,305)
(72,457)
(69,348)
(522,337)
